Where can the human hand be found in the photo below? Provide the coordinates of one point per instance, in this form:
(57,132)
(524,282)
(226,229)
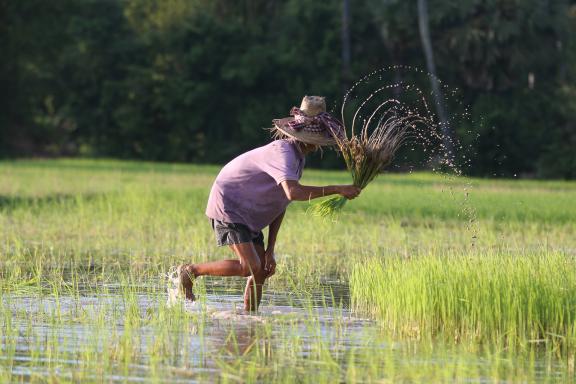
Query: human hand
(269,262)
(349,191)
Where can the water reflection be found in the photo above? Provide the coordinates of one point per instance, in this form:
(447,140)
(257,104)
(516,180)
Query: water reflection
(133,336)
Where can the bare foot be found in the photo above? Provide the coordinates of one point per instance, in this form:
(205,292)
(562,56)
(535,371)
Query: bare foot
(186,279)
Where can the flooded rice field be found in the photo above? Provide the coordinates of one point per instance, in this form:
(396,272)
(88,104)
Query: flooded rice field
(402,287)
(138,334)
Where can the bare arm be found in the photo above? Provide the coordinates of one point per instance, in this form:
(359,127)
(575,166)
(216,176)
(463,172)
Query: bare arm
(273,229)
(269,259)
(297,192)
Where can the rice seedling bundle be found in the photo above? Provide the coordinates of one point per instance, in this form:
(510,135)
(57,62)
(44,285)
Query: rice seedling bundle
(367,153)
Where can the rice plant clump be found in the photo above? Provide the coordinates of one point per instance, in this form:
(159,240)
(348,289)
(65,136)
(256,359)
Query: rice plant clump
(366,154)
(507,300)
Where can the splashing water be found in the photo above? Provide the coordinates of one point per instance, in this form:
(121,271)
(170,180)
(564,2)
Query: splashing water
(397,111)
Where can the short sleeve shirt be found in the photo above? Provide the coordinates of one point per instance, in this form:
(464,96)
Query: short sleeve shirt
(248,191)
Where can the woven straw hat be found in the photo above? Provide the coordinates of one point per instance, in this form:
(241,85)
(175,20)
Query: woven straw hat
(310,123)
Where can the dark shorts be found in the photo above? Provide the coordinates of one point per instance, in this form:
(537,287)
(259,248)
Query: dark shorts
(231,233)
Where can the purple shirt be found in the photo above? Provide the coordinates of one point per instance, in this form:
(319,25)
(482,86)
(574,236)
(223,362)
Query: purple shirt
(248,191)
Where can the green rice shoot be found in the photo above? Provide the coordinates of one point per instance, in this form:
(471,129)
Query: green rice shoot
(506,299)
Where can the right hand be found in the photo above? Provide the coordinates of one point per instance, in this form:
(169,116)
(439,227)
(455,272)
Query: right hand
(349,191)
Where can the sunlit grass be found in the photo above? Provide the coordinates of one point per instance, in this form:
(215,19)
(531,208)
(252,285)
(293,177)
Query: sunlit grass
(503,299)
(84,245)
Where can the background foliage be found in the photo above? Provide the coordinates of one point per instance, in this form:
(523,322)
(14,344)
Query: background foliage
(198,80)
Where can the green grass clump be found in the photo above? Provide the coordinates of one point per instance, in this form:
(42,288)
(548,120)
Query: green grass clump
(504,299)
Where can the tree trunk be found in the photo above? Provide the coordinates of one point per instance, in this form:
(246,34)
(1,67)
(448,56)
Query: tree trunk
(346,55)
(394,62)
(424,27)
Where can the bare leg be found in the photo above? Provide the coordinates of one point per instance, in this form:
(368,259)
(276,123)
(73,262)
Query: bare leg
(249,264)
(251,291)
(219,268)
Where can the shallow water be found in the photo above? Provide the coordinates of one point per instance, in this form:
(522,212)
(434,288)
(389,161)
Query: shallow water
(56,337)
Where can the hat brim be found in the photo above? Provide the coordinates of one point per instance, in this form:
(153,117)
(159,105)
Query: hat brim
(303,136)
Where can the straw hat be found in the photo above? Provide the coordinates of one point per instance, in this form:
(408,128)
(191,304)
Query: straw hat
(310,123)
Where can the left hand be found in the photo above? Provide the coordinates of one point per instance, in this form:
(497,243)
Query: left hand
(269,262)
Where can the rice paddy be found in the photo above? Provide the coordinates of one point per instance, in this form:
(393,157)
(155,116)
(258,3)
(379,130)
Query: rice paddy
(423,278)
(503,299)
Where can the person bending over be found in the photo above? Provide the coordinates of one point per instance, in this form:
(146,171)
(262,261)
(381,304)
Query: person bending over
(252,192)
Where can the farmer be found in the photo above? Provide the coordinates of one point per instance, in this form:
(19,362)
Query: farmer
(252,192)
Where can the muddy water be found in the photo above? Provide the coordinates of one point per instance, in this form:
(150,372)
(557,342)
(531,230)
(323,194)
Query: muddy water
(220,333)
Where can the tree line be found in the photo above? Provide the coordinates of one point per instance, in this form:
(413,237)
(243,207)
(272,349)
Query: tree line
(200,80)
